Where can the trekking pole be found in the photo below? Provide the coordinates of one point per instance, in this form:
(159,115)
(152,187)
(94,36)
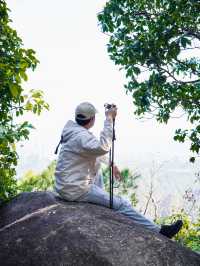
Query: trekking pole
(111,156)
(111,159)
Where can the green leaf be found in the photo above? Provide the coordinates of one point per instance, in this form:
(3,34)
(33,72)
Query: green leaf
(192,159)
(29,106)
(14,89)
(23,75)
(185,41)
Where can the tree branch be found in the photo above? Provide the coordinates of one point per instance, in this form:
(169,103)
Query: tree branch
(178,81)
(191,32)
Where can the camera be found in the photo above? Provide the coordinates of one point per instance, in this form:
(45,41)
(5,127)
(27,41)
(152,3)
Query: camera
(109,106)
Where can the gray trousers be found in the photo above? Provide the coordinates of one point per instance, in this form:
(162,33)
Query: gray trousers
(99,196)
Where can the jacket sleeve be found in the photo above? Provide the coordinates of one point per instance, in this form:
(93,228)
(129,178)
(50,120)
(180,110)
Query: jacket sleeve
(90,145)
(103,159)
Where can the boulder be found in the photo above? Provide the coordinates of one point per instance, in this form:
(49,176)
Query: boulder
(40,229)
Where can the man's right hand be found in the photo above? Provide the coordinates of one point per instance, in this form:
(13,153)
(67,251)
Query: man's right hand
(111,113)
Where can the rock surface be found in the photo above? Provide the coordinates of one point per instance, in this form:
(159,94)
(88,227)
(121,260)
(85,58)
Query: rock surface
(39,229)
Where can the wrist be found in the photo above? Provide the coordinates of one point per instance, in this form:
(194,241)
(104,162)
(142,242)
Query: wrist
(109,118)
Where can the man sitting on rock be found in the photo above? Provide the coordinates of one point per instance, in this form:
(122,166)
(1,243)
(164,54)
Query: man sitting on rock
(77,177)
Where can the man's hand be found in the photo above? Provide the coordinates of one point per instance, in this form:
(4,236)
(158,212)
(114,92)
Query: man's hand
(117,173)
(111,113)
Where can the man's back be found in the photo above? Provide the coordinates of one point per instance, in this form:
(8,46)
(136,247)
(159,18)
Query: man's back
(75,170)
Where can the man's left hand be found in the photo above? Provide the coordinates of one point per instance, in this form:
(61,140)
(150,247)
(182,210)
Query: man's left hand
(117,173)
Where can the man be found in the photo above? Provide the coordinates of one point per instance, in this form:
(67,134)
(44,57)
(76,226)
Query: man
(77,175)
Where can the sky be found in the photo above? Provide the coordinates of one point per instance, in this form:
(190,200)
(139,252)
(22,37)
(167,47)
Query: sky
(75,67)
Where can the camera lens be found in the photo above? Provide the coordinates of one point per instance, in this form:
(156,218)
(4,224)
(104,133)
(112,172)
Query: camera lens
(108,106)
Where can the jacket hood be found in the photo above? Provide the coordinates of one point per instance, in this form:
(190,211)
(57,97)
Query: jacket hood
(70,129)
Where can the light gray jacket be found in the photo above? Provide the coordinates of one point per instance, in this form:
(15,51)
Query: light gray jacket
(78,159)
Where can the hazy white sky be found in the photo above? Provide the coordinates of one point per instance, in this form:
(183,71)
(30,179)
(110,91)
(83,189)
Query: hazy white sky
(75,67)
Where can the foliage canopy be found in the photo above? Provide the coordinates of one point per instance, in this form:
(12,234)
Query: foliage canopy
(14,63)
(157,44)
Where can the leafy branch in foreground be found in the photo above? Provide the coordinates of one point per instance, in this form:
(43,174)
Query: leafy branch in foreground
(15,101)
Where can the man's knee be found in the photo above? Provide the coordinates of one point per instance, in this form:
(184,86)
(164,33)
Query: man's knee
(121,203)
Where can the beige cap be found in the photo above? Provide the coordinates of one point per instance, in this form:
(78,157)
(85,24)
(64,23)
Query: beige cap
(85,109)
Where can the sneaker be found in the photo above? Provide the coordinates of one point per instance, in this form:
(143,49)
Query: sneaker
(171,230)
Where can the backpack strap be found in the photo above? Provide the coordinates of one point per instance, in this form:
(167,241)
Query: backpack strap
(60,142)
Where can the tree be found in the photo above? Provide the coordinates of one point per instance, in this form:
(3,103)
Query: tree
(15,101)
(157,44)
